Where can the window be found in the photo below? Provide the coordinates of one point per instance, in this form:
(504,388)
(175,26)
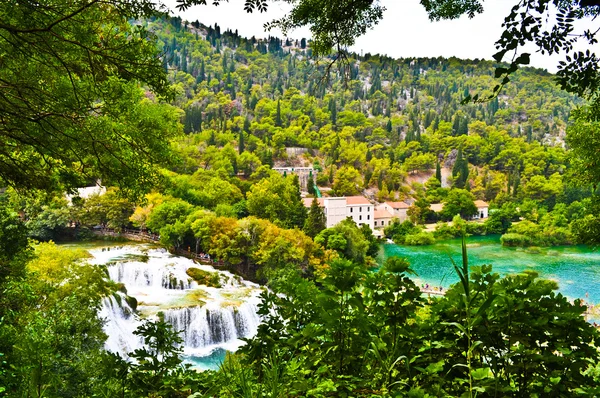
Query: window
(360,209)
(368,216)
(351,210)
(375,223)
(368,208)
(360,217)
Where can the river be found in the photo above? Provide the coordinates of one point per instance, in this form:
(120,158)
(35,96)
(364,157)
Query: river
(575,268)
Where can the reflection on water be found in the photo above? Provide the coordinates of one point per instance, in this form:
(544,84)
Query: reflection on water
(575,268)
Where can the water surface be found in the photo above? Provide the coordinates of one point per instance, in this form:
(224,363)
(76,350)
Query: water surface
(575,268)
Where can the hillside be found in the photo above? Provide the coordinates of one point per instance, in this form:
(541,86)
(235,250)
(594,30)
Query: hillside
(385,118)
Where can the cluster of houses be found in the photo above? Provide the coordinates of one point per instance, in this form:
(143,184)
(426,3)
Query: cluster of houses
(377,217)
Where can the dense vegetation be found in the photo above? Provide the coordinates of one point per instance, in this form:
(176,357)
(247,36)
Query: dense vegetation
(389,129)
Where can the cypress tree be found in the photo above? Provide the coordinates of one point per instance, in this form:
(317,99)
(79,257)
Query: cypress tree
(241,144)
(316,221)
(212,139)
(278,114)
(310,184)
(438,171)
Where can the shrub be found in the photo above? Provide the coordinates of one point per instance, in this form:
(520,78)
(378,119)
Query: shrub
(513,239)
(419,239)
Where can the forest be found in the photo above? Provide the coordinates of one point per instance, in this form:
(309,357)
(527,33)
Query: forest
(182,124)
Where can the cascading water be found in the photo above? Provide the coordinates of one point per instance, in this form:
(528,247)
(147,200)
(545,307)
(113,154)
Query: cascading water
(209,319)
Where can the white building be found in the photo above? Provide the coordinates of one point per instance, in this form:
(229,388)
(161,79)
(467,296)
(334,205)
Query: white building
(87,192)
(383,218)
(482,210)
(303,174)
(396,209)
(358,208)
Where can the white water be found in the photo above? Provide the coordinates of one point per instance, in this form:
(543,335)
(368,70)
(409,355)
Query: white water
(159,282)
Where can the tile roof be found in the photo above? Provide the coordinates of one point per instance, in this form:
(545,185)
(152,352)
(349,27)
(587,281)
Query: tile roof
(357,200)
(480,204)
(398,205)
(382,214)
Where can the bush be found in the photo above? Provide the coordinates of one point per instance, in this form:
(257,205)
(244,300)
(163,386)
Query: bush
(211,279)
(475,228)
(514,240)
(419,239)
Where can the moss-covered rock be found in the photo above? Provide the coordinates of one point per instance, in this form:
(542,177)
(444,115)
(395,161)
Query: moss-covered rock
(211,279)
(132,302)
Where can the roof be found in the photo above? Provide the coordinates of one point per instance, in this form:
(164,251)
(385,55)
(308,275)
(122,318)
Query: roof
(397,205)
(357,200)
(308,201)
(382,214)
(480,204)
(436,207)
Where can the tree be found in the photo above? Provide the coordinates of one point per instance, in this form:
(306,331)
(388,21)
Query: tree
(346,239)
(73,109)
(310,184)
(438,171)
(167,213)
(316,221)
(347,181)
(278,200)
(459,201)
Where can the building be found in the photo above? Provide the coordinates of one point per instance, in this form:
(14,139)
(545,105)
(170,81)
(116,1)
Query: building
(436,207)
(396,209)
(383,218)
(482,210)
(303,173)
(87,192)
(337,209)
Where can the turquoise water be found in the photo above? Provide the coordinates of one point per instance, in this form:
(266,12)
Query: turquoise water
(211,362)
(575,268)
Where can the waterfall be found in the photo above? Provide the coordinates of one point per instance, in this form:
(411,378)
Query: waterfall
(120,325)
(208,327)
(151,275)
(207,318)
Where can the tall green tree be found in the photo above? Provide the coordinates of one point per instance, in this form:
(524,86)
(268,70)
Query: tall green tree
(315,221)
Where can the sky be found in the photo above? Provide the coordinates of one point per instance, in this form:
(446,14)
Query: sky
(404,32)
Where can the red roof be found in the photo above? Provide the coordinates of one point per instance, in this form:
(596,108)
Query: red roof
(382,214)
(357,200)
(397,205)
(480,204)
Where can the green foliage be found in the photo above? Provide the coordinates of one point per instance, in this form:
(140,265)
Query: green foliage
(211,279)
(397,230)
(77,111)
(278,199)
(419,239)
(458,201)
(315,221)
(347,240)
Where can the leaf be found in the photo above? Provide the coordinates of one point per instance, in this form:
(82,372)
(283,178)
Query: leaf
(522,59)
(481,373)
(499,55)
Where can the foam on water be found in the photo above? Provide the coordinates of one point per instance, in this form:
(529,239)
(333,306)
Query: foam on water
(158,280)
